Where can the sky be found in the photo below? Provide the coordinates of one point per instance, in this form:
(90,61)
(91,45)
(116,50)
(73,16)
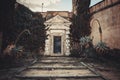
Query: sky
(50,5)
(93,2)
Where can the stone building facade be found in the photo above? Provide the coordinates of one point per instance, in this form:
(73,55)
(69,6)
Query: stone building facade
(57,42)
(58,25)
(106,14)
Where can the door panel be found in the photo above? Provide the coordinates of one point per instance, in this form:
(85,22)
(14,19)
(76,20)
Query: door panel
(57,45)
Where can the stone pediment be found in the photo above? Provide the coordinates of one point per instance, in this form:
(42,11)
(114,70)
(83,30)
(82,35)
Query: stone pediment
(57,19)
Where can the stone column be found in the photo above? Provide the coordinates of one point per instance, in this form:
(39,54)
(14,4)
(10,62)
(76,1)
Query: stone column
(67,43)
(47,42)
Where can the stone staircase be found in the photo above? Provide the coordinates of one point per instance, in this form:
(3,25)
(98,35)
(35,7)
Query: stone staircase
(58,68)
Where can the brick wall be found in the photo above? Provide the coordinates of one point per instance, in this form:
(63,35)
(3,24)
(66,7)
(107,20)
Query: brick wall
(107,13)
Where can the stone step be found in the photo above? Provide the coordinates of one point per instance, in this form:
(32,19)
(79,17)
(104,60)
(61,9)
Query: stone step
(57,73)
(57,66)
(61,60)
(58,58)
(98,78)
(57,61)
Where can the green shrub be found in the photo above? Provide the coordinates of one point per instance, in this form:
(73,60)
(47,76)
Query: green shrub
(101,48)
(85,40)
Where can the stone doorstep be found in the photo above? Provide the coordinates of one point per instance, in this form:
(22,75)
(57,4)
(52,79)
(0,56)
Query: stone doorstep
(56,57)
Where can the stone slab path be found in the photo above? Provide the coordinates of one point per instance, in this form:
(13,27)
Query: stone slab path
(59,68)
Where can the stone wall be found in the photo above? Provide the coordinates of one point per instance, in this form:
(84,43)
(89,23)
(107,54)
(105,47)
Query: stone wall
(107,14)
